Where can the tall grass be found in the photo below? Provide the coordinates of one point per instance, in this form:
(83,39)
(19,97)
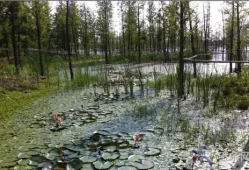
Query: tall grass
(83,78)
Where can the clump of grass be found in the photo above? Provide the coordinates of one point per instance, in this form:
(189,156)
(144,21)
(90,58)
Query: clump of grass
(142,108)
(83,78)
(141,84)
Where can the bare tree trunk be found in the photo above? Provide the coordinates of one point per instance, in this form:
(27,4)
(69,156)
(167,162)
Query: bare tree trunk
(13,36)
(191,31)
(139,46)
(38,32)
(106,37)
(231,40)
(238,38)
(181,62)
(204,30)
(68,43)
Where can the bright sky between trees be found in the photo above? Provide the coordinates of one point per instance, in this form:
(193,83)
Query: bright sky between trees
(215,9)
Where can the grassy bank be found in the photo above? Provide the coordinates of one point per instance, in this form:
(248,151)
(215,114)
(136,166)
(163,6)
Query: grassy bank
(18,93)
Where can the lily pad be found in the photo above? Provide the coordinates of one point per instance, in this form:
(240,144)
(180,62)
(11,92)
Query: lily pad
(75,164)
(33,163)
(102,165)
(45,166)
(23,149)
(32,153)
(87,167)
(123,156)
(101,132)
(124,145)
(50,157)
(142,165)
(56,129)
(152,152)
(90,120)
(110,156)
(23,156)
(38,158)
(127,168)
(136,158)
(88,159)
(23,162)
(7,164)
(45,150)
(110,148)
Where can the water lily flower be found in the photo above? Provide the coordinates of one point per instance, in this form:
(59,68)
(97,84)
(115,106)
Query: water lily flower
(194,158)
(55,115)
(59,120)
(136,138)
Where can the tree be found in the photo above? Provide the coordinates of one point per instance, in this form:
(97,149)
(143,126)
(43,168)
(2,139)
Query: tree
(140,5)
(86,27)
(231,38)
(238,36)
(68,42)
(40,11)
(190,12)
(130,27)
(181,55)
(13,8)
(151,18)
(122,11)
(74,21)
(104,24)
(58,27)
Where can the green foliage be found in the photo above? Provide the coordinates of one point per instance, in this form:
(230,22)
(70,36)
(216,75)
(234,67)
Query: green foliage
(83,78)
(141,109)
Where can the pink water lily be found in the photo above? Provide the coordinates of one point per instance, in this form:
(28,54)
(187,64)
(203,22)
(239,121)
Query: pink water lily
(136,138)
(58,119)
(55,115)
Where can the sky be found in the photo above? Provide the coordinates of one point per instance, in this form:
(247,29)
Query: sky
(215,6)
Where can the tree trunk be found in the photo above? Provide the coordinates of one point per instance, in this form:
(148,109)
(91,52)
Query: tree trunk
(68,43)
(181,62)
(192,33)
(139,46)
(13,36)
(106,38)
(231,40)
(38,32)
(238,38)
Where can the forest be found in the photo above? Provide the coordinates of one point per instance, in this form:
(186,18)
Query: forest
(124,85)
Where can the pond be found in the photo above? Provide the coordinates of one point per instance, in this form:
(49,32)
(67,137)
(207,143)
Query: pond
(123,132)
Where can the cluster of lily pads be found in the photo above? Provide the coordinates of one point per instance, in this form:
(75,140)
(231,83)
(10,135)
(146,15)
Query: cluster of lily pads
(71,118)
(102,150)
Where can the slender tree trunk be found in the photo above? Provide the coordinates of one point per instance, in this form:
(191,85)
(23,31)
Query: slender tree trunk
(74,39)
(86,38)
(238,38)
(68,43)
(181,62)
(204,30)
(123,34)
(95,44)
(139,46)
(192,33)
(13,36)
(231,40)
(164,40)
(167,50)
(106,38)
(38,32)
